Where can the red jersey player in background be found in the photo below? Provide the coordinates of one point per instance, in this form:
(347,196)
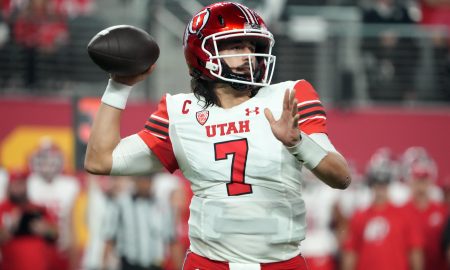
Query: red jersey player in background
(50,187)
(244,166)
(383,236)
(27,231)
(420,172)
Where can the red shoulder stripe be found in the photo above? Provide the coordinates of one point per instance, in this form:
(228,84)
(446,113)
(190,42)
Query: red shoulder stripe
(311,111)
(161,148)
(156,135)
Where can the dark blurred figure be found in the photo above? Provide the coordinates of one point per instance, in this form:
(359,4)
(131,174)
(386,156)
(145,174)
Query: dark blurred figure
(40,30)
(446,241)
(27,231)
(139,229)
(90,207)
(306,2)
(8,10)
(390,59)
(431,215)
(436,13)
(383,236)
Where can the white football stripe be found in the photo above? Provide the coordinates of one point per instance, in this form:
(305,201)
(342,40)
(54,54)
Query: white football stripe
(252,13)
(308,102)
(310,118)
(159,118)
(243,12)
(157,135)
(249,13)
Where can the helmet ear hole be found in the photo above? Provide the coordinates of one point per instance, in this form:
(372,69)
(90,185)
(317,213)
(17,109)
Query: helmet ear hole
(221,20)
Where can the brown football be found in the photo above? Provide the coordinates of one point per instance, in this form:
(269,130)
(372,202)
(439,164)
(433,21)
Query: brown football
(123,50)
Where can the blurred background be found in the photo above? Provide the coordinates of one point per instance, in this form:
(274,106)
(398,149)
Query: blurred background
(381,67)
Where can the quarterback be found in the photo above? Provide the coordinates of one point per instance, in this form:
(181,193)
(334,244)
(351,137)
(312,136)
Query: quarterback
(240,141)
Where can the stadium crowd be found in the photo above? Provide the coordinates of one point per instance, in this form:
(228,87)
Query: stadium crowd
(41,38)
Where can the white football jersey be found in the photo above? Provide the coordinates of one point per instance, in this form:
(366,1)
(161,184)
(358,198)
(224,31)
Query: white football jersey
(247,204)
(57,195)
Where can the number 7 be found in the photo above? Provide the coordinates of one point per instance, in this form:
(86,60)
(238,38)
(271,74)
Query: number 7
(238,149)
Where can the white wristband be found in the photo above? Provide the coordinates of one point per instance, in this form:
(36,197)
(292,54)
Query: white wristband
(308,152)
(116,94)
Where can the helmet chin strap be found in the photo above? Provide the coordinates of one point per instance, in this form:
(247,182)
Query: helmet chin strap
(228,73)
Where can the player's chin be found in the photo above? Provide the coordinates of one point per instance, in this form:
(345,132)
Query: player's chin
(244,72)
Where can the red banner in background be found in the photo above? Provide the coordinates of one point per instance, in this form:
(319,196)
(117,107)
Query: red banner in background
(26,121)
(357,133)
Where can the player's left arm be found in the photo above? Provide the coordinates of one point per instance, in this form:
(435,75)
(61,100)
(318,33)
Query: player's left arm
(315,150)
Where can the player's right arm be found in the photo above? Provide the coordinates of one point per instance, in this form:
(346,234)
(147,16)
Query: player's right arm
(104,137)
(107,152)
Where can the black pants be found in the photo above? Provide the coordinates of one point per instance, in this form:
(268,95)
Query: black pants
(129,266)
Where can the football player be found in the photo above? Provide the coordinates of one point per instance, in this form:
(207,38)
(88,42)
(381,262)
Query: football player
(420,172)
(240,141)
(49,186)
(383,235)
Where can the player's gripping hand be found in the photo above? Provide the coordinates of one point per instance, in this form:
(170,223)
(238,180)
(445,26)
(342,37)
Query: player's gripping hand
(286,128)
(133,79)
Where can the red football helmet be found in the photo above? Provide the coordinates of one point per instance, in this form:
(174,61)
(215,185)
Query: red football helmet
(228,21)
(47,160)
(417,164)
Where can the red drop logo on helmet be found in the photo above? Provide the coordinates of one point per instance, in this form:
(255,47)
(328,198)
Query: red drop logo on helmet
(198,22)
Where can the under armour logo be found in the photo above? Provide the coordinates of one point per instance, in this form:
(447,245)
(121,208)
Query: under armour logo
(248,111)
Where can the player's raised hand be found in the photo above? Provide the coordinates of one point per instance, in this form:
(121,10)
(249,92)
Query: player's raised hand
(286,129)
(133,79)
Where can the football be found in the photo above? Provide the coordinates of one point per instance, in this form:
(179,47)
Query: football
(123,50)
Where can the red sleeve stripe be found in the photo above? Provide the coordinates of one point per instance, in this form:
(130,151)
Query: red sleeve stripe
(155,134)
(159,118)
(311,118)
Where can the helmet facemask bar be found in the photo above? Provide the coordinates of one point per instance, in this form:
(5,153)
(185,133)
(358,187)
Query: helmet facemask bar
(214,64)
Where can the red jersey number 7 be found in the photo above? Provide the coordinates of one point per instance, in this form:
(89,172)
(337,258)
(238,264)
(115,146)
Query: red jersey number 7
(238,149)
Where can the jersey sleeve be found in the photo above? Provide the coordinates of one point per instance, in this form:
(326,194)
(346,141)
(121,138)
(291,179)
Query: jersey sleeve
(156,136)
(312,114)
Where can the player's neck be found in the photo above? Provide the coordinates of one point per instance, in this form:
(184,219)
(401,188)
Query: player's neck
(421,201)
(229,97)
